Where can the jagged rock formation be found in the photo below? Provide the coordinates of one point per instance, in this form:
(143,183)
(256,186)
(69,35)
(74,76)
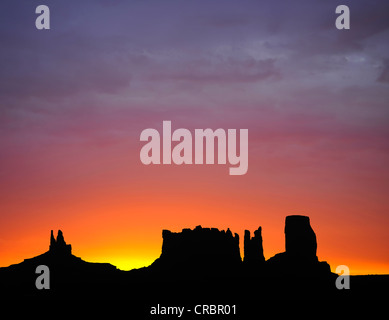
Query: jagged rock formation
(59,245)
(253,250)
(210,251)
(201,250)
(300,250)
(202,262)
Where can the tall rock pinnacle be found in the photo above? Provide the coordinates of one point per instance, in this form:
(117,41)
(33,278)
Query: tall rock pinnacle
(300,250)
(59,246)
(300,239)
(253,250)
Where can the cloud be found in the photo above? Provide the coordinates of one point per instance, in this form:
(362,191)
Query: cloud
(219,71)
(384,76)
(110,57)
(72,66)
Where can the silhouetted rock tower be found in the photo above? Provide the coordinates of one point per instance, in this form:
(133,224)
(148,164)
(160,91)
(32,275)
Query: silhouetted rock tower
(253,250)
(300,250)
(300,239)
(59,246)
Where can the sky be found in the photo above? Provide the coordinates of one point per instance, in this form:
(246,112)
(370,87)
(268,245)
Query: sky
(74,100)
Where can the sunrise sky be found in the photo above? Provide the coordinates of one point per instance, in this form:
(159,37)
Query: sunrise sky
(74,100)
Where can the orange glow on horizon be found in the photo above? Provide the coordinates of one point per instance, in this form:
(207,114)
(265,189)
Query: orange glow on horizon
(134,241)
(115,212)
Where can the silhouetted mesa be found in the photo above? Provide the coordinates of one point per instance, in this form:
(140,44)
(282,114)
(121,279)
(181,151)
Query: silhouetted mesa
(300,250)
(199,251)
